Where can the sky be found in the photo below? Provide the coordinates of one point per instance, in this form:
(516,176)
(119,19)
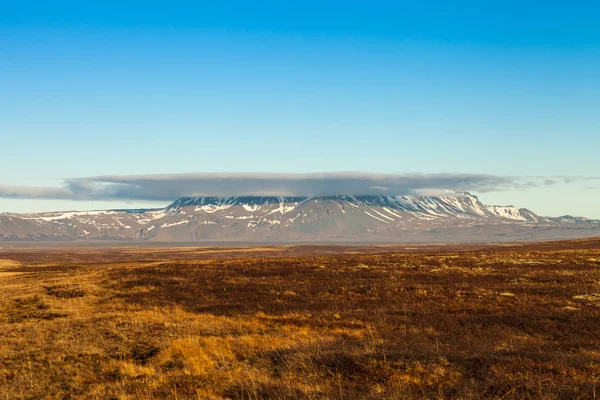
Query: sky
(96,96)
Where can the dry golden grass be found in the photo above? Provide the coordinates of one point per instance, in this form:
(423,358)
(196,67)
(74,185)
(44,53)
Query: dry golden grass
(506,323)
(6,266)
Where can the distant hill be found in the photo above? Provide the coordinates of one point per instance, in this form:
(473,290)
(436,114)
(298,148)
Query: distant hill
(303,219)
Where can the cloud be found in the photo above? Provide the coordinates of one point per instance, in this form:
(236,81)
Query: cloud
(35,192)
(167,187)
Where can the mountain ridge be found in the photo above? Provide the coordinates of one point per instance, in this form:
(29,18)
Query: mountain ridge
(461,217)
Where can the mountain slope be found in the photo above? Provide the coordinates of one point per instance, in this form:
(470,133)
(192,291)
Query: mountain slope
(305,219)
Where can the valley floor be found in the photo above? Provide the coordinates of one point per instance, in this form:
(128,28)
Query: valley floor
(301,322)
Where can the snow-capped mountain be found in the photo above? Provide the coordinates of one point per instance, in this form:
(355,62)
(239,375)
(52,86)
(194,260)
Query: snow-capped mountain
(302,219)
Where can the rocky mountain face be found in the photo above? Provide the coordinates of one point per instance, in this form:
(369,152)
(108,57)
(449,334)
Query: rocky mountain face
(302,219)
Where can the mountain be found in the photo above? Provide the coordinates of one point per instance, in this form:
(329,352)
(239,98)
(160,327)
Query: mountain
(302,219)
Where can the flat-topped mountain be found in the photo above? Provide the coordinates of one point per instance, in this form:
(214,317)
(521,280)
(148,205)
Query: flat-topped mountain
(303,219)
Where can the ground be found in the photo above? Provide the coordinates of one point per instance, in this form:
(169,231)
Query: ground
(301,322)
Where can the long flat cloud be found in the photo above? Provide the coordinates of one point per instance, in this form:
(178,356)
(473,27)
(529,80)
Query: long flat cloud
(167,187)
(35,192)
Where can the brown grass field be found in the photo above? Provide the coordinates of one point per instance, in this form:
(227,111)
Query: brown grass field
(301,322)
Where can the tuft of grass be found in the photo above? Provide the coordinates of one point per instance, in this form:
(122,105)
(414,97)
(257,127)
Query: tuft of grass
(64,291)
(29,308)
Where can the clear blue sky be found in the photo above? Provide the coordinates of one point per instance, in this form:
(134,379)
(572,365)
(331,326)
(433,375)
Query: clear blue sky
(506,88)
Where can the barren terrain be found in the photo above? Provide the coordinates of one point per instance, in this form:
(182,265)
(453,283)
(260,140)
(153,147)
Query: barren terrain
(515,321)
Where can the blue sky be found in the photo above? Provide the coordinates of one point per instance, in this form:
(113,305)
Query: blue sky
(508,89)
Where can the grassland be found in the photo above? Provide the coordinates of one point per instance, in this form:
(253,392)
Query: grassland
(312,322)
